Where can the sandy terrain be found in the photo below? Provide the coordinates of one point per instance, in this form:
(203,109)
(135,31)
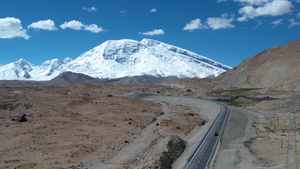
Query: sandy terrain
(67,125)
(80,123)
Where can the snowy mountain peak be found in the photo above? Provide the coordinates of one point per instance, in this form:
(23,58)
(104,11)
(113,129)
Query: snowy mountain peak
(54,63)
(150,42)
(20,61)
(24,64)
(49,69)
(67,60)
(120,58)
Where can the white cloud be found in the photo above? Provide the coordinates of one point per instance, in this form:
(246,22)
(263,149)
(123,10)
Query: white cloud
(253,2)
(277,22)
(45,25)
(93,28)
(90,9)
(153,10)
(77,25)
(293,23)
(298,15)
(154,32)
(11,27)
(124,11)
(223,22)
(194,24)
(219,1)
(271,8)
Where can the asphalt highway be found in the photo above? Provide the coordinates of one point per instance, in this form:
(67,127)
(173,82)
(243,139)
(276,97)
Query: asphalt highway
(202,156)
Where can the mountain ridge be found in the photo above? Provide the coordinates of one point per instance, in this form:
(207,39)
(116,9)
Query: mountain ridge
(120,58)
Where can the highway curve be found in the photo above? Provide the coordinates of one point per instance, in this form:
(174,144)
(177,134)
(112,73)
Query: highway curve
(204,152)
(202,155)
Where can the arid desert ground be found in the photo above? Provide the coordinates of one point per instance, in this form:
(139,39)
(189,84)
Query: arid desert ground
(95,126)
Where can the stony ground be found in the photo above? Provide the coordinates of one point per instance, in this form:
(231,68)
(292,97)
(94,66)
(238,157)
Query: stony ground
(67,125)
(70,125)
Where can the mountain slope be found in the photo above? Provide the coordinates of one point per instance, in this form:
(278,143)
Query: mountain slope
(274,67)
(122,58)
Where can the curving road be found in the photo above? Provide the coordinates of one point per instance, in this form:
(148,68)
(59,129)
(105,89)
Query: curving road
(204,152)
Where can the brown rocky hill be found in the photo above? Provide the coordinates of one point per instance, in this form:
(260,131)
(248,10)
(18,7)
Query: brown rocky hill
(139,79)
(68,78)
(277,67)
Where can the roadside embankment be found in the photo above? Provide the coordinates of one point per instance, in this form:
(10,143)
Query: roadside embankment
(234,152)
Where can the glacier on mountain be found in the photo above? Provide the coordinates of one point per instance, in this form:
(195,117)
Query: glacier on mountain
(120,58)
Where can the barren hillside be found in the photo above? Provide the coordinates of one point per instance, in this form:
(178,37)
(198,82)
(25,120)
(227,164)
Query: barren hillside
(274,67)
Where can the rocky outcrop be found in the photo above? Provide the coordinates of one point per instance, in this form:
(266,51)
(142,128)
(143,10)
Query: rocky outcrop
(175,148)
(14,106)
(11,108)
(19,118)
(164,154)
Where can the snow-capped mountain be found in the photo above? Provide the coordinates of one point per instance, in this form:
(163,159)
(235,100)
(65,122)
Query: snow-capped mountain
(120,58)
(49,69)
(16,70)
(23,70)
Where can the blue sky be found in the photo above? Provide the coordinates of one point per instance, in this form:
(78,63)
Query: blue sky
(228,31)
